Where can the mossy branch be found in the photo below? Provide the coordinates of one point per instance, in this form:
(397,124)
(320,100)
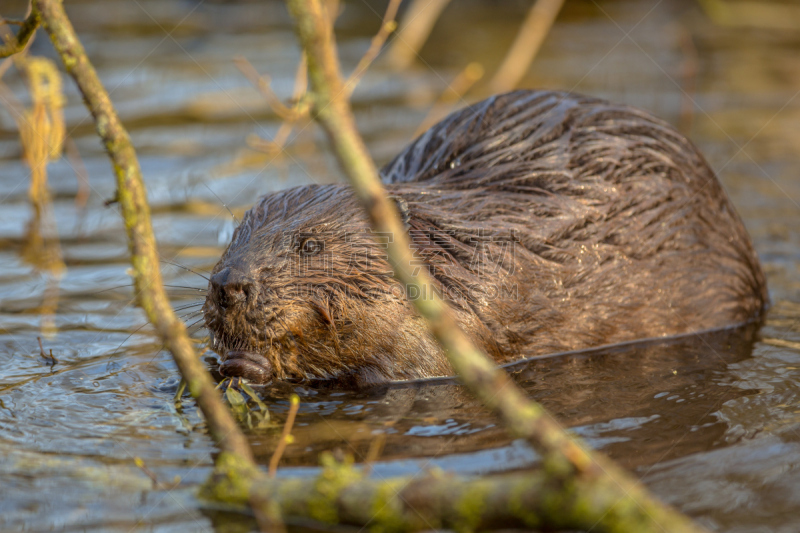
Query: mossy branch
(141,241)
(343,494)
(565,459)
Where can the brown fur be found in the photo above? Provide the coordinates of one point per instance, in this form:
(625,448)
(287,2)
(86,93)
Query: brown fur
(551,222)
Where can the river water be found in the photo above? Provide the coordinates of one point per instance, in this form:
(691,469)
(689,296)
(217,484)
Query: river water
(710,423)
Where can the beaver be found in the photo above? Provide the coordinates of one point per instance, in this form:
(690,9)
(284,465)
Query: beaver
(549,222)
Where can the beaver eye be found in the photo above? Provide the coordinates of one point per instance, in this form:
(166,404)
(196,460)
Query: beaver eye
(310,247)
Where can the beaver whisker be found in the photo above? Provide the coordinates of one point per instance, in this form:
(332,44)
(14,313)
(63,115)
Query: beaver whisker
(189,326)
(191,314)
(184,268)
(198,289)
(188,306)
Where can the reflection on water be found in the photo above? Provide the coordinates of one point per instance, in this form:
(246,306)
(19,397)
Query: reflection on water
(616,398)
(709,422)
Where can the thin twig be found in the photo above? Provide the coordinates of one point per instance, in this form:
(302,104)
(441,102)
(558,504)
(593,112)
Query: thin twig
(388,25)
(290,115)
(50,357)
(285,436)
(154,478)
(179,394)
(262,83)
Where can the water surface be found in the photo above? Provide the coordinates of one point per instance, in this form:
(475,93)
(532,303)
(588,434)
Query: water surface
(708,422)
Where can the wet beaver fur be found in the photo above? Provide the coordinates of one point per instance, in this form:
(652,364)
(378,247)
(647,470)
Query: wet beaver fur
(549,221)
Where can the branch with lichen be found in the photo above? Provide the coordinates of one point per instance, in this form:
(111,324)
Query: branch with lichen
(617,500)
(342,494)
(132,199)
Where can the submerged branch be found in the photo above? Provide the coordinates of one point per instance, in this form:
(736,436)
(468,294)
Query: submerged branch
(136,213)
(617,501)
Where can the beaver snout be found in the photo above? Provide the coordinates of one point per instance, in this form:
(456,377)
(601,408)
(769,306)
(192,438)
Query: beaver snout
(232,287)
(248,365)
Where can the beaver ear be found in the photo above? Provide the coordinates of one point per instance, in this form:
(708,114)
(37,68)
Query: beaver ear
(402,209)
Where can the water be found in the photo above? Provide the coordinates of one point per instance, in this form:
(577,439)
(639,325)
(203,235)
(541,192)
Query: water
(710,423)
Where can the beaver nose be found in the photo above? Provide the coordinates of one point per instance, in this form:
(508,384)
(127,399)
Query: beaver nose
(232,287)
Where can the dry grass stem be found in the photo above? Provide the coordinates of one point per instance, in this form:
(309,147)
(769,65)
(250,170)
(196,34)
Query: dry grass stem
(286,436)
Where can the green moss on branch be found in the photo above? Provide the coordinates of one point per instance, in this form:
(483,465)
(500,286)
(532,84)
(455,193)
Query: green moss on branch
(341,495)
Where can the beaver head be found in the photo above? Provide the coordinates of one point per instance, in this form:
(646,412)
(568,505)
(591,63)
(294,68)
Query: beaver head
(305,291)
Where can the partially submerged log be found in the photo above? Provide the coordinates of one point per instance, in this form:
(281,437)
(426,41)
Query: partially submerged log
(342,494)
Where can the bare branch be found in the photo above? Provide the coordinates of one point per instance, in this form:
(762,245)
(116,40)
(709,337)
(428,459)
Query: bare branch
(262,83)
(286,436)
(388,25)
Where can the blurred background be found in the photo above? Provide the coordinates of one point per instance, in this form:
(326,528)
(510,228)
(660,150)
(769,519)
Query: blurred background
(709,423)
